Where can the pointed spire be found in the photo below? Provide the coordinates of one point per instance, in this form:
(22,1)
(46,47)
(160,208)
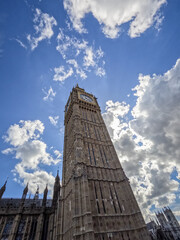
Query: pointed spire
(3,189)
(25,191)
(57,179)
(57,187)
(45,195)
(36,196)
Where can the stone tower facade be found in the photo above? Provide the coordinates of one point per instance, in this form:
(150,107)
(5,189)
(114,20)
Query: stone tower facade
(97,202)
(29,219)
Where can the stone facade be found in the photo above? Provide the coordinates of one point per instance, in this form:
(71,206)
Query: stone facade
(165,226)
(29,219)
(95,202)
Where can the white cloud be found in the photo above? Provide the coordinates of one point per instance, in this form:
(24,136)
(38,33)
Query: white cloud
(111,15)
(57,153)
(148,144)
(61,75)
(78,70)
(89,57)
(54,120)
(43,25)
(49,95)
(37,178)
(8,151)
(100,72)
(114,117)
(80,58)
(18,134)
(31,151)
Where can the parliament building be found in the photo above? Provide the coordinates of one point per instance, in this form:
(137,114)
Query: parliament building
(95,200)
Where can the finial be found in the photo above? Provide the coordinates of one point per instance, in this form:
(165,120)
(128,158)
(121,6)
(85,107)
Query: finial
(2,189)
(36,196)
(77,85)
(57,176)
(6,181)
(25,191)
(46,188)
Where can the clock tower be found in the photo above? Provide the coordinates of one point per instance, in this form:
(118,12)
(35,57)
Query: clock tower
(97,202)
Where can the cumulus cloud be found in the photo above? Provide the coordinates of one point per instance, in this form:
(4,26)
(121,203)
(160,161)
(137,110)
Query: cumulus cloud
(36,178)
(79,57)
(111,15)
(61,75)
(43,25)
(50,94)
(31,151)
(148,143)
(54,120)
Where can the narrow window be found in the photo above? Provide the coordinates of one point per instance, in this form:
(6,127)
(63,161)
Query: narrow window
(92,118)
(89,155)
(102,198)
(122,236)
(117,199)
(89,134)
(93,154)
(95,133)
(94,114)
(7,228)
(101,155)
(112,199)
(85,114)
(69,205)
(98,134)
(105,156)
(85,129)
(82,113)
(97,201)
(33,229)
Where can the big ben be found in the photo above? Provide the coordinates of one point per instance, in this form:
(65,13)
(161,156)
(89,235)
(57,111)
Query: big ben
(97,202)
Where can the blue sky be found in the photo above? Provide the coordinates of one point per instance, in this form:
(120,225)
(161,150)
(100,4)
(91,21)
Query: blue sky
(126,54)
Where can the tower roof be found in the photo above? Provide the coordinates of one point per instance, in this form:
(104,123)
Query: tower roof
(4,186)
(36,196)
(26,189)
(46,189)
(57,179)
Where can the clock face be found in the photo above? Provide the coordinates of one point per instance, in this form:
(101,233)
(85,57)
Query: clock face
(86,98)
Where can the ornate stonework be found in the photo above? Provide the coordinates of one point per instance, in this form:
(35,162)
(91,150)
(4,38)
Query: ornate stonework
(29,219)
(97,200)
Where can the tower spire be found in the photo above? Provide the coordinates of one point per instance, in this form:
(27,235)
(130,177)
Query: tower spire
(45,195)
(57,176)
(3,189)
(56,189)
(36,196)
(25,191)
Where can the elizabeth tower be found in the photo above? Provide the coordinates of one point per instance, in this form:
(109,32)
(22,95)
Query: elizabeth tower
(97,202)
